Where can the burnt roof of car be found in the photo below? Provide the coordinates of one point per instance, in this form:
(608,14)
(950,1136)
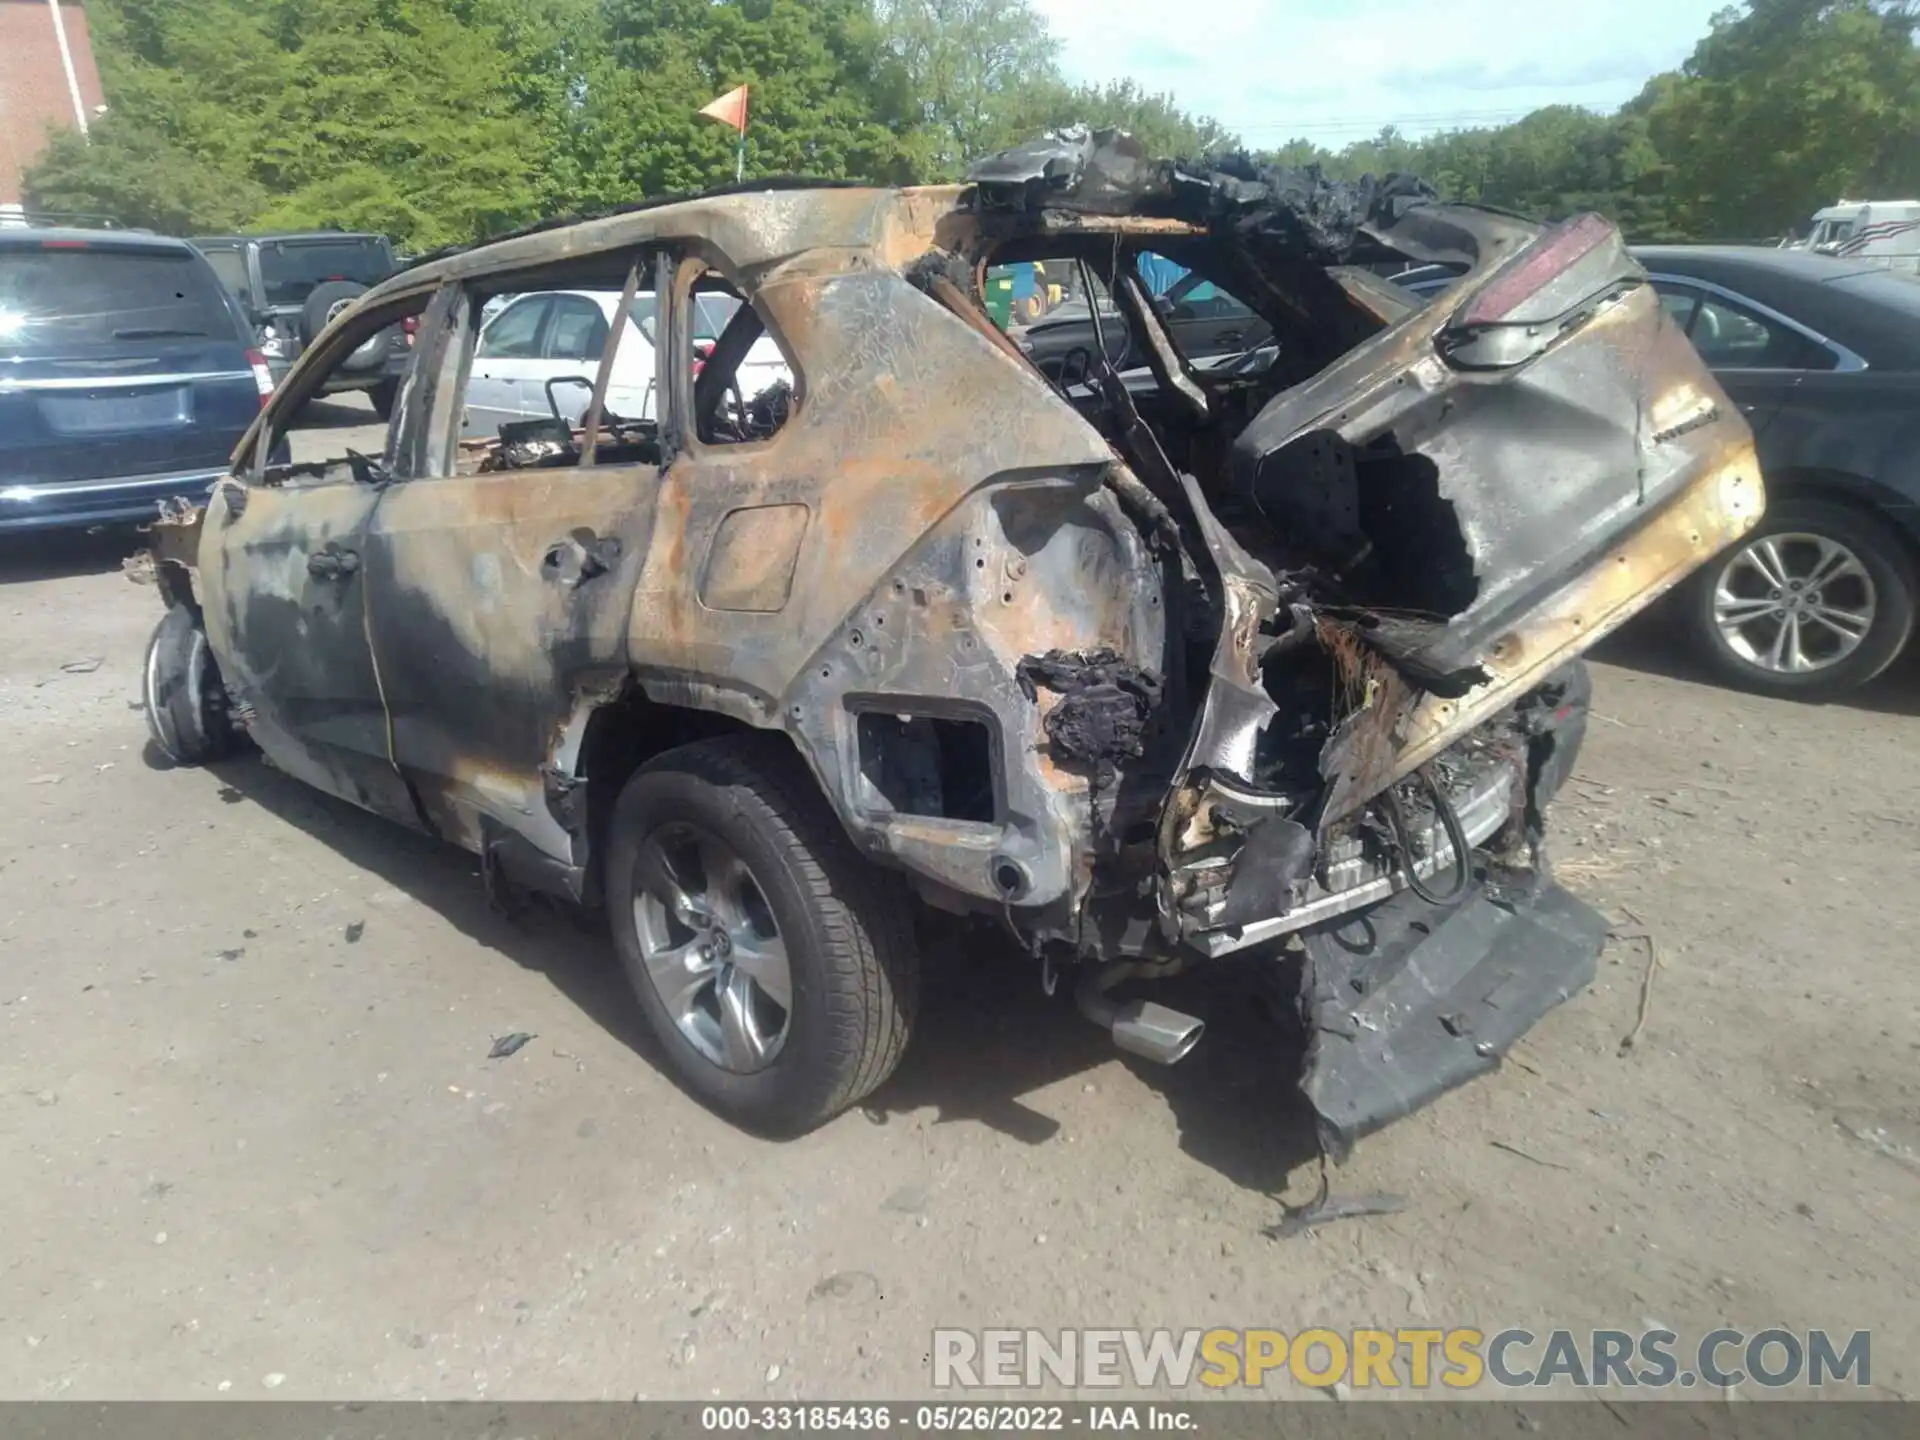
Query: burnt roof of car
(1069,182)
(1108,172)
(635,207)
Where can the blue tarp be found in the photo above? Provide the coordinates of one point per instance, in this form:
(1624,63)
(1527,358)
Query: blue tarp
(1159,273)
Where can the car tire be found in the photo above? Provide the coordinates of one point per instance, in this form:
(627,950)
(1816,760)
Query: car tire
(185,701)
(842,926)
(383,396)
(1868,574)
(326,300)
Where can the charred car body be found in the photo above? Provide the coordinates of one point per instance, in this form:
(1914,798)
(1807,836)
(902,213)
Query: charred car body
(1150,673)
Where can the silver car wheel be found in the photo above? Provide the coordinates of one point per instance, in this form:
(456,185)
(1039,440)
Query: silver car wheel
(712,948)
(1793,603)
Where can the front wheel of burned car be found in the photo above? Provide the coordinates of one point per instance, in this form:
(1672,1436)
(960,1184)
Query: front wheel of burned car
(774,963)
(1817,600)
(186,703)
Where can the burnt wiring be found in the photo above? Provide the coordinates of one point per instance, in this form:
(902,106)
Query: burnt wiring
(1456,837)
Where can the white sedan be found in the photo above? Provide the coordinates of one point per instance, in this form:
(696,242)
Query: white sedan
(553,339)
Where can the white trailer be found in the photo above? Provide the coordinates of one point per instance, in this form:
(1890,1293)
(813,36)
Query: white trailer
(1879,231)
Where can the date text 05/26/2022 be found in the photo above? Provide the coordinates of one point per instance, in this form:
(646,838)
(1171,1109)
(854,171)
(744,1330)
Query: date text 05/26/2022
(947,1418)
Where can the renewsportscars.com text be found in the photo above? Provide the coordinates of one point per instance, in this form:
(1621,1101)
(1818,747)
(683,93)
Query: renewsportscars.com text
(1461,1358)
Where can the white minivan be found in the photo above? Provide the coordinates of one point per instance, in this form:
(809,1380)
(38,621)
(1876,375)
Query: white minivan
(538,354)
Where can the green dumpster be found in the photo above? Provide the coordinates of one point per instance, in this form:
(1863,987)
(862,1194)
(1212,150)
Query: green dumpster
(1000,295)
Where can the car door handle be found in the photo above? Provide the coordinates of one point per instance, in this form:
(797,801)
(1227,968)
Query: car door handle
(332,563)
(579,557)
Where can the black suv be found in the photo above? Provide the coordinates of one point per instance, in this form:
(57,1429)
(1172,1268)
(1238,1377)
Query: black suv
(292,285)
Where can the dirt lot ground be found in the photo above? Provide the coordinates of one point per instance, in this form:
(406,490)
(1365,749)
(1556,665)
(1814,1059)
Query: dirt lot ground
(243,1151)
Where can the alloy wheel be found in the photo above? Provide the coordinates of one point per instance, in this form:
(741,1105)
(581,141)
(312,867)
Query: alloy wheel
(1794,602)
(711,948)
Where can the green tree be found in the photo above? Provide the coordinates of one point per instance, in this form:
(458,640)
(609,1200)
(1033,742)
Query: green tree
(1787,108)
(422,118)
(131,175)
(399,122)
(822,96)
(447,120)
(978,74)
(1781,108)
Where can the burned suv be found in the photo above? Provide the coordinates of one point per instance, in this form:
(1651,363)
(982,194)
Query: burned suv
(1279,654)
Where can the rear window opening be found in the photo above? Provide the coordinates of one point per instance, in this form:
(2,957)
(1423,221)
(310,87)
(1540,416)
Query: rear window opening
(538,342)
(922,765)
(60,300)
(535,362)
(1375,514)
(542,338)
(744,383)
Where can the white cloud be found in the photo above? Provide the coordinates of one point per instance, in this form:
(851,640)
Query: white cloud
(1336,70)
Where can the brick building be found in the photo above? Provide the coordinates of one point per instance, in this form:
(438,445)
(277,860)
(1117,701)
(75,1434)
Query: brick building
(47,78)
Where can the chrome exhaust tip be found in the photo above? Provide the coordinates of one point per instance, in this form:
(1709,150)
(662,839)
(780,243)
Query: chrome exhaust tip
(1155,1033)
(1140,1027)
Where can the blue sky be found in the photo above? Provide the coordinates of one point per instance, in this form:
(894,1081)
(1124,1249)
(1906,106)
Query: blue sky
(1336,70)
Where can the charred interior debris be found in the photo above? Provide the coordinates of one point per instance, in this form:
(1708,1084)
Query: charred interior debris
(1101,717)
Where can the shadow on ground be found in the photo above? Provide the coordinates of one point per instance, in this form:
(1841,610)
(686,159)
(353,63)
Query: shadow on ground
(337,412)
(567,946)
(1654,648)
(61,554)
(987,1037)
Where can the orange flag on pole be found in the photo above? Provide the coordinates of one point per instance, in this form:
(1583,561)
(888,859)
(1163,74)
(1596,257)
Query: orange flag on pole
(729,109)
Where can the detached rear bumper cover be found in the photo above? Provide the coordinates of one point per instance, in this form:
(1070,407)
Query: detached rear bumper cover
(1411,999)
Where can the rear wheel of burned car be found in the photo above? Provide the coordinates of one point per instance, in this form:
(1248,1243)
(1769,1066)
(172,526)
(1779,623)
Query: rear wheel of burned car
(182,693)
(774,963)
(1817,600)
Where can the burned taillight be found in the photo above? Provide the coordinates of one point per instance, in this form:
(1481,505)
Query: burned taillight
(1555,252)
(262,375)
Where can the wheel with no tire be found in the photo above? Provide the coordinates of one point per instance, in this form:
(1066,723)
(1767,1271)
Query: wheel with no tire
(185,701)
(1817,600)
(775,963)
